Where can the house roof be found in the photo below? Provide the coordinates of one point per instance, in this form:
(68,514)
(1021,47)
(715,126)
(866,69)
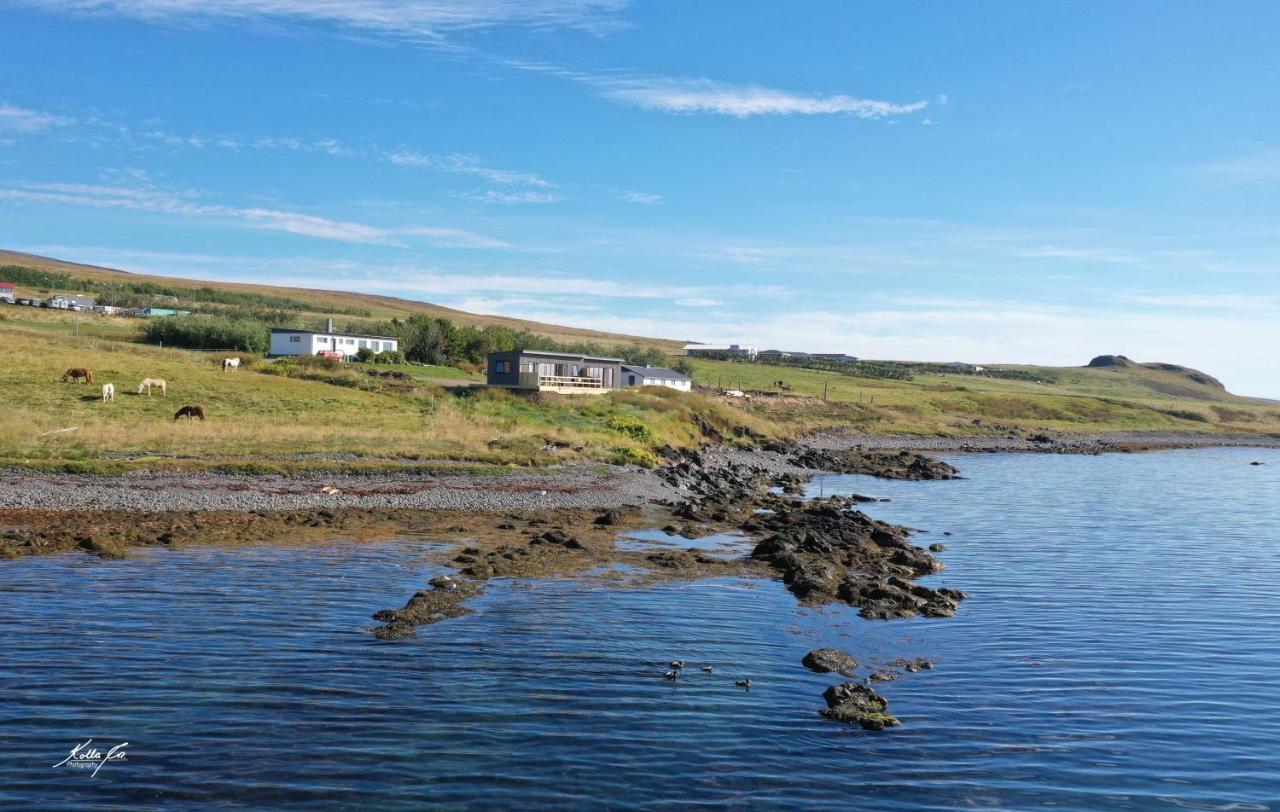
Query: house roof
(575,355)
(334,333)
(6,284)
(655,373)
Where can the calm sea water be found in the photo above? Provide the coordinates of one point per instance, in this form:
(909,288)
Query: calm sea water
(1121,649)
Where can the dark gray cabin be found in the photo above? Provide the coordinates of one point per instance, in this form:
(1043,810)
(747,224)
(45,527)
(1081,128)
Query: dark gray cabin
(567,373)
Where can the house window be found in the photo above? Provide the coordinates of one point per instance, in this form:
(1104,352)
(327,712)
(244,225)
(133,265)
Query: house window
(502,367)
(322,339)
(295,339)
(631,380)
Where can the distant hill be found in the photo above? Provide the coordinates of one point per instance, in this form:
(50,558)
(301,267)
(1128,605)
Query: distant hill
(1164,378)
(378,306)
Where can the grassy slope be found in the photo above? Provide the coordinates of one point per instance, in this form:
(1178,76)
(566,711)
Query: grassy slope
(1081,399)
(256,417)
(379,306)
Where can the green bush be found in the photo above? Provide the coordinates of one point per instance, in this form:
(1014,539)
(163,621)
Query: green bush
(389,357)
(626,455)
(364,355)
(209,333)
(631,427)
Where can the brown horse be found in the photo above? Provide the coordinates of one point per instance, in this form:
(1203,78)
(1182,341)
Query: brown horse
(76,373)
(190,412)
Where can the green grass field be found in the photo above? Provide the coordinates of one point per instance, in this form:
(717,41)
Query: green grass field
(276,422)
(308,416)
(1080,399)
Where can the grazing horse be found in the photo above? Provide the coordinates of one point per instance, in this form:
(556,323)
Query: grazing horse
(108,392)
(230,363)
(157,383)
(190,412)
(76,373)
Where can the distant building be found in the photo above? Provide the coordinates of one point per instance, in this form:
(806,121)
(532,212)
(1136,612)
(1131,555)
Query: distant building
(154,312)
(834,356)
(67,301)
(288,341)
(563,372)
(717,350)
(6,292)
(655,376)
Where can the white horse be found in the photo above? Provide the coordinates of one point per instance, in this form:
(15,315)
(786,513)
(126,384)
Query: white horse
(108,392)
(230,363)
(149,383)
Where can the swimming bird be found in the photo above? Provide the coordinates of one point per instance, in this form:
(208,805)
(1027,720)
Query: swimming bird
(677,664)
(672,676)
(743,683)
(707,668)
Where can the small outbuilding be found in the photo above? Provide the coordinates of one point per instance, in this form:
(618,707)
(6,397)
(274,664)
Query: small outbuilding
(6,292)
(655,376)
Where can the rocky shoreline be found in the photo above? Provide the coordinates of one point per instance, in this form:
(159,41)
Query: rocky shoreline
(571,485)
(560,522)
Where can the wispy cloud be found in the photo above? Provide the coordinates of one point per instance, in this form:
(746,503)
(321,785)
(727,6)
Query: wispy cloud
(467,165)
(1261,167)
(22,120)
(413,19)
(188,203)
(1088,254)
(642,198)
(671,95)
(498,198)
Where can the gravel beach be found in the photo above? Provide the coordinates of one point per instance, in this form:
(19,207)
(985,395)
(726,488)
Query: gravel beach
(578,485)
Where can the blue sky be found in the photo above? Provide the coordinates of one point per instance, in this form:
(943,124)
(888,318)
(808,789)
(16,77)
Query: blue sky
(989,182)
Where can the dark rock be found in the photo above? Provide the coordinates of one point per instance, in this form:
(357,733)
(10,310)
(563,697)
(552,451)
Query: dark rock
(609,518)
(884,464)
(826,660)
(858,704)
(937,547)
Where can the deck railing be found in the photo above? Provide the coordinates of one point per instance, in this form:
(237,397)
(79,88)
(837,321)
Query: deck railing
(565,382)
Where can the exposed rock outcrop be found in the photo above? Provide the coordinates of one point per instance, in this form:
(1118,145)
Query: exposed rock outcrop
(858,704)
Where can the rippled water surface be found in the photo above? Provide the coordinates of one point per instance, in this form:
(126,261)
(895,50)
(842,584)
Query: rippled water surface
(1120,649)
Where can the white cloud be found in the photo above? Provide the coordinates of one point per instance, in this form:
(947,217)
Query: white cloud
(1262,167)
(642,198)
(187,203)
(671,95)
(414,19)
(1092,254)
(467,165)
(495,197)
(23,120)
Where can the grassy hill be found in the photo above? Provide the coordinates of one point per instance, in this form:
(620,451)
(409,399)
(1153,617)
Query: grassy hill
(286,416)
(330,301)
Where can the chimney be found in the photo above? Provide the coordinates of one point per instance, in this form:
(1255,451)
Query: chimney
(328,325)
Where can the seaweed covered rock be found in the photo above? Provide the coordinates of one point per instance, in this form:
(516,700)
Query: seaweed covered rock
(827,551)
(427,606)
(883,464)
(858,704)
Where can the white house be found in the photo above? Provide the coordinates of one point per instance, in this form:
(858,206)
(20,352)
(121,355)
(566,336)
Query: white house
(6,292)
(654,376)
(288,341)
(716,350)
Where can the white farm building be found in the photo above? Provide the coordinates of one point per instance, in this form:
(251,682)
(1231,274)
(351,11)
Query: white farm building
(288,341)
(654,376)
